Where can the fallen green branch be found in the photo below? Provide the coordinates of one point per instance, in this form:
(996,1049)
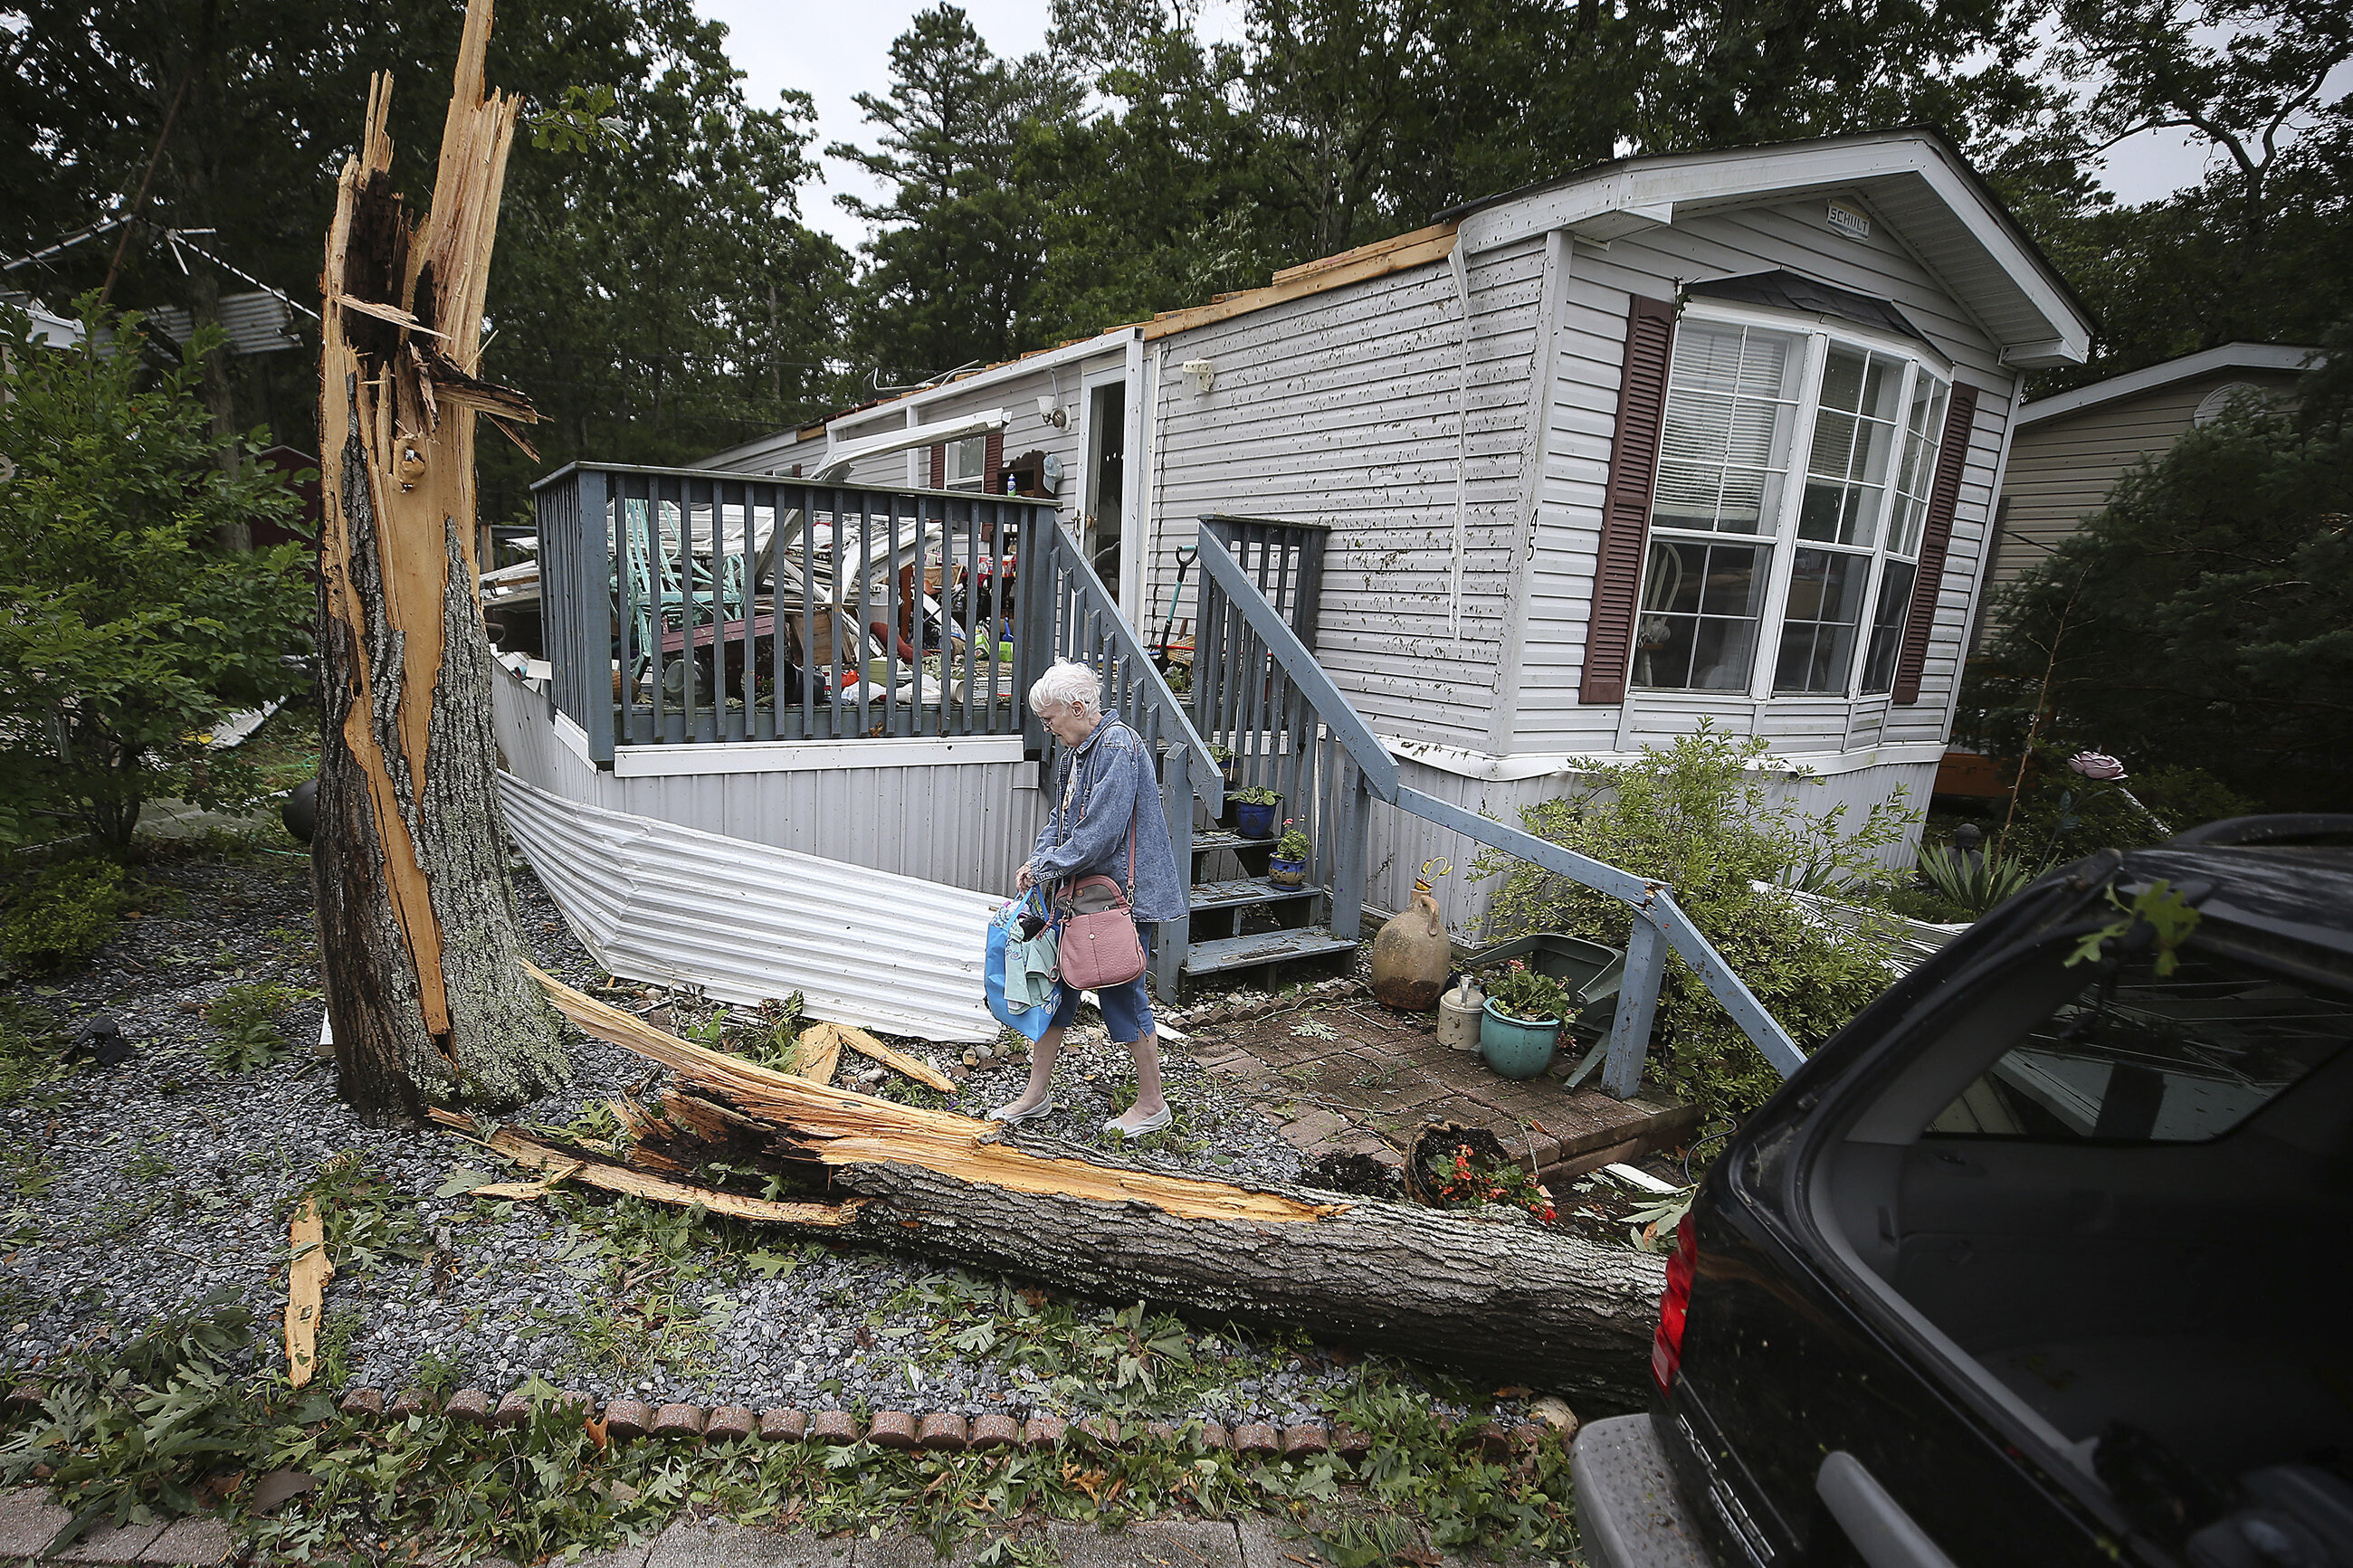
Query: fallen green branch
(171,1425)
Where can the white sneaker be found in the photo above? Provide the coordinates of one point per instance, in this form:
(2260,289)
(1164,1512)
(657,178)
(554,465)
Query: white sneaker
(1149,1124)
(1008,1114)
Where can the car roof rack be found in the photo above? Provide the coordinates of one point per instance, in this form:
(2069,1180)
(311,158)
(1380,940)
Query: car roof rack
(2266,829)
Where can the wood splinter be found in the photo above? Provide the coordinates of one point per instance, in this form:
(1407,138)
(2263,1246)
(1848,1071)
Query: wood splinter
(306,1283)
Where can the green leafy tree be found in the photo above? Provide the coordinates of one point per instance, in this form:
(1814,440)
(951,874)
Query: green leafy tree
(2262,249)
(1702,816)
(1152,200)
(130,632)
(957,248)
(659,260)
(2205,617)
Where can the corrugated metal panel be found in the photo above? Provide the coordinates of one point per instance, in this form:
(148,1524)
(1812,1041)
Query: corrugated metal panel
(257,323)
(968,824)
(656,902)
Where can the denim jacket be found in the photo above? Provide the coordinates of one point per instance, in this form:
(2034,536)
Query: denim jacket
(1103,785)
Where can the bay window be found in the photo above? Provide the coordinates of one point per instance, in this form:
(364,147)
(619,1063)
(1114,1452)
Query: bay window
(1793,479)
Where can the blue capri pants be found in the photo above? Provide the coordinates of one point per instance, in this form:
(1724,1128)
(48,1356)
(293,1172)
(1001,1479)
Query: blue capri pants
(1127,1009)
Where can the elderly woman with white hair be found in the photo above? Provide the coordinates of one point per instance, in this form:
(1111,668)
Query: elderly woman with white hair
(1105,799)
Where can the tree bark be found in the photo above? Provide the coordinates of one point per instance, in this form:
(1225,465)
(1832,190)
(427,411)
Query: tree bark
(426,987)
(1492,1292)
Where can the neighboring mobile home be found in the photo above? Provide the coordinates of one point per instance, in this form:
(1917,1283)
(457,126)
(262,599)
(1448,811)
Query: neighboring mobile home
(2070,449)
(1698,438)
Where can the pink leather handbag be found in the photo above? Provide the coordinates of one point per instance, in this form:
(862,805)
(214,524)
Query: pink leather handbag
(1100,946)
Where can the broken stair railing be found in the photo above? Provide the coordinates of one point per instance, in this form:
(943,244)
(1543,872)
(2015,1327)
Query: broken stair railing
(1660,923)
(687,605)
(1065,606)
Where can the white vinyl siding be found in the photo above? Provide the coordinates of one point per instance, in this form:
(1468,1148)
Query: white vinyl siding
(1346,408)
(1584,361)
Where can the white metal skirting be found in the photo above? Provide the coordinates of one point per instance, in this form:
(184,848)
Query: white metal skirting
(1401,842)
(916,808)
(654,901)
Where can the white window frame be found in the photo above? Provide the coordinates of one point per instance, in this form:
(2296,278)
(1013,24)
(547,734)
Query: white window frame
(976,448)
(1816,336)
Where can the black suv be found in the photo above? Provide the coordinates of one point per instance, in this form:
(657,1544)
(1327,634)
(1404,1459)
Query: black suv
(2032,1262)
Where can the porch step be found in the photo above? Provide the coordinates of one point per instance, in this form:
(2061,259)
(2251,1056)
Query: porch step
(1268,947)
(1207,840)
(1240,893)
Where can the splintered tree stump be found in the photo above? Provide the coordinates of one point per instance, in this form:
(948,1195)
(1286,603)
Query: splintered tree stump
(1494,1292)
(424,978)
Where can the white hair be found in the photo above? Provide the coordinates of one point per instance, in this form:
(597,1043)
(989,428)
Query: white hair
(1074,686)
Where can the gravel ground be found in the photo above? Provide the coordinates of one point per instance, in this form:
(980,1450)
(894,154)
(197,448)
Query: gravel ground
(137,1191)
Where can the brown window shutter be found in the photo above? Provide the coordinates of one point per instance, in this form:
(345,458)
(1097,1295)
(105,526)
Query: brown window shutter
(992,459)
(940,466)
(1626,513)
(1952,456)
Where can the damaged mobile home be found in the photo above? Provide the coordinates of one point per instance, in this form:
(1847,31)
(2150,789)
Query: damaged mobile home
(1706,436)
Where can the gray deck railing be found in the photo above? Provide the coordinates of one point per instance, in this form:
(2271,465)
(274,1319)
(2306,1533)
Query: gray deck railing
(1065,607)
(1284,559)
(1242,691)
(683,605)
(1249,700)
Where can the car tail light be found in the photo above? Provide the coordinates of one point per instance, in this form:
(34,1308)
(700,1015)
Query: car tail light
(1667,1344)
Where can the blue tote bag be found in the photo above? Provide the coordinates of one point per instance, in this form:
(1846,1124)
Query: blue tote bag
(1007,954)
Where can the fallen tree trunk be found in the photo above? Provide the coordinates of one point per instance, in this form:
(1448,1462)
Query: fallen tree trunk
(1496,1294)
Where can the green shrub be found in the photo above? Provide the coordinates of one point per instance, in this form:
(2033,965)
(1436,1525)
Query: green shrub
(1700,817)
(2063,816)
(60,915)
(246,1018)
(29,1050)
(1974,883)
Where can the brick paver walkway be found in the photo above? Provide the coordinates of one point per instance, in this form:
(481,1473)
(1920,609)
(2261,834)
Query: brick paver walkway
(1377,1077)
(28,1520)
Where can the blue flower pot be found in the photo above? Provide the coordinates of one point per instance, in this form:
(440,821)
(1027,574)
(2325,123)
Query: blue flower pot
(1285,873)
(1255,821)
(1517,1047)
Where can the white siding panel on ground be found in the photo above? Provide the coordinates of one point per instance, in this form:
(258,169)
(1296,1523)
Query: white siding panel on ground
(968,824)
(653,901)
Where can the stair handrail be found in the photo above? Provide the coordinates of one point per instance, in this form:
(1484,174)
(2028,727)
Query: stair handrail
(1658,916)
(1333,710)
(1206,780)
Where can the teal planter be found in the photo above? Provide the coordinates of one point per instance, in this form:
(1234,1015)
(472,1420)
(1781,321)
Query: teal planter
(1255,821)
(1517,1047)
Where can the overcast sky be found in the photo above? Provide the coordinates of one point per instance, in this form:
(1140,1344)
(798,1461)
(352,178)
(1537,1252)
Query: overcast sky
(834,50)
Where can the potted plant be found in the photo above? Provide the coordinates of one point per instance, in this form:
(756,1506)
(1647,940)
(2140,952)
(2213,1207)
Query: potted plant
(1288,868)
(1230,766)
(1523,1012)
(1254,811)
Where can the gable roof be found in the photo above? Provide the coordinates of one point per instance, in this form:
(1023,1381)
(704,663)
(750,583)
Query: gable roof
(2277,357)
(1915,178)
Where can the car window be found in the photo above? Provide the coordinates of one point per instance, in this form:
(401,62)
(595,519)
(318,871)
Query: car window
(2136,1057)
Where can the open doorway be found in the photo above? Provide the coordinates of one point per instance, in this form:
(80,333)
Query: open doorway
(1102,524)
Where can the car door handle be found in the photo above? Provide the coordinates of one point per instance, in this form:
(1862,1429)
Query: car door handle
(1882,1534)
